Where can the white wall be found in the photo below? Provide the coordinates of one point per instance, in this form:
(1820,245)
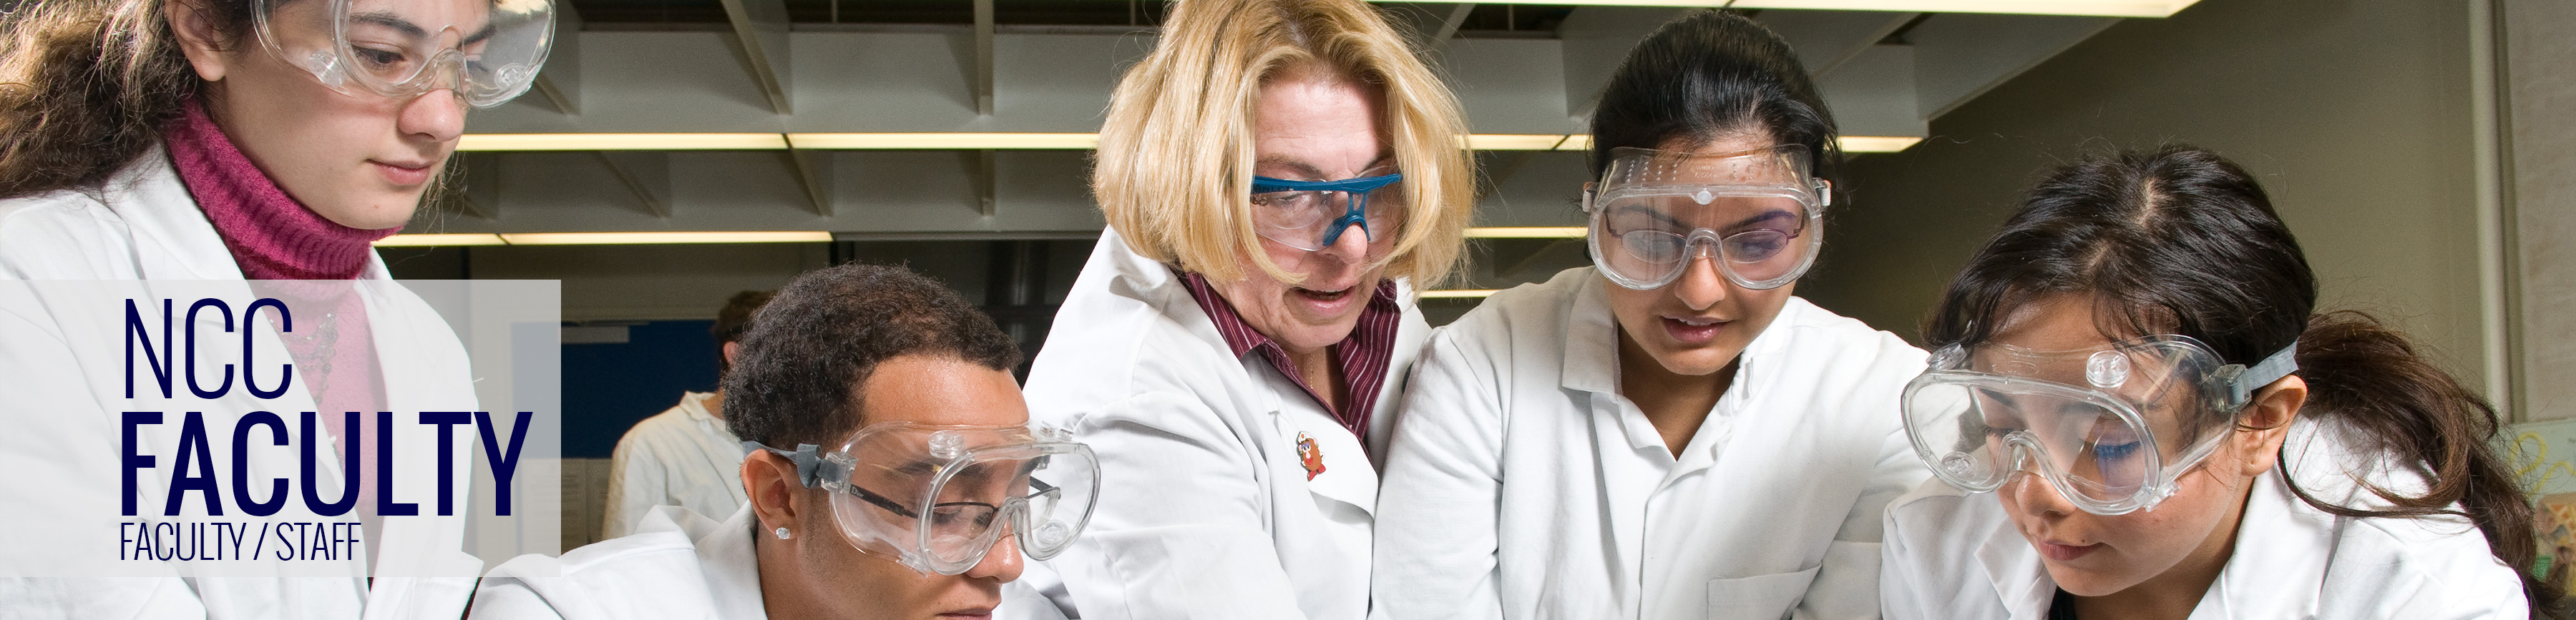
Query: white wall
(2541,105)
(2356,114)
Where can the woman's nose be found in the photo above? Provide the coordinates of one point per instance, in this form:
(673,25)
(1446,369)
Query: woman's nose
(438,116)
(1353,245)
(1002,562)
(1701,286)
(2032,494)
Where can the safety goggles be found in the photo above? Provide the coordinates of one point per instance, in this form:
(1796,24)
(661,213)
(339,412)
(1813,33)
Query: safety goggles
(2109,427)
(1311,215)
(486,51)
(1654,212)
(936,498)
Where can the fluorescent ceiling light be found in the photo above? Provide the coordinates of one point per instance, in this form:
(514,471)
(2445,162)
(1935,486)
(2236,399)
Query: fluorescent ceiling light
(621,141)
(1478,293)
(603,238)
(439,239)
(1526,232)
(2105,8)
(646,238)
(976,141)
(936,141)
(1513,141)
(1878,144)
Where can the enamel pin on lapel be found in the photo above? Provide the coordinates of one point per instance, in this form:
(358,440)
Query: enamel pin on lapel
(1309,455)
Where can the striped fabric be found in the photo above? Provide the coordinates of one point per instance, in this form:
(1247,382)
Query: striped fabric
(1364,355)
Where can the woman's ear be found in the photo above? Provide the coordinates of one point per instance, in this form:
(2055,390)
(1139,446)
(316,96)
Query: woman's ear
(2265,424)
(770,481)
(200,38)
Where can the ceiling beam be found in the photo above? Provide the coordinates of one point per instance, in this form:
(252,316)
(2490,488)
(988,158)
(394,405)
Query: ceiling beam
(645,173)
(760,32)
(983,57)
(1827,39)
(559,84)
(814,173)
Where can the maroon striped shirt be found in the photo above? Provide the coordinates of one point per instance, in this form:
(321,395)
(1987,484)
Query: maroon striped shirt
(1363,356)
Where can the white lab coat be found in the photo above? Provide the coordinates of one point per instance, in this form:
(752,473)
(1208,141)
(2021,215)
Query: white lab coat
(682,457)
(1955,556)
(1205,510)
(1520,484)
(64,428)
(677,564)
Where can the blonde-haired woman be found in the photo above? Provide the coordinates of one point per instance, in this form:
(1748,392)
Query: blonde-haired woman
(1277,174)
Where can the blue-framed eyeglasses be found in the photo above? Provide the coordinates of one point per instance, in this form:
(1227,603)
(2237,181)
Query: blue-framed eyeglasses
(1311,215)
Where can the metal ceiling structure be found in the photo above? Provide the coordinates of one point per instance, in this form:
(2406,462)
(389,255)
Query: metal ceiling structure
(836,115)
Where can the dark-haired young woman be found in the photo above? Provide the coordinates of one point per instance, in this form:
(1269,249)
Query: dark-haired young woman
(2135,368)
(1669,433)
(145,142)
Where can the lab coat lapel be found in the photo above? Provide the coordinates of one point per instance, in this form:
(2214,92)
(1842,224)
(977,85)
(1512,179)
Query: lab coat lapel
(173,239)
(423,570)
(2020,582)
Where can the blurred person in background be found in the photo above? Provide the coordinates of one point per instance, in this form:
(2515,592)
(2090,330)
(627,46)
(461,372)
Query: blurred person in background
(684,457)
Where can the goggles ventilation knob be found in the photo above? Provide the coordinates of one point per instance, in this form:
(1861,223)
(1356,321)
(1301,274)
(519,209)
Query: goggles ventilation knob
(2107,369)
(1053,533)
(947,445)
(1959,465)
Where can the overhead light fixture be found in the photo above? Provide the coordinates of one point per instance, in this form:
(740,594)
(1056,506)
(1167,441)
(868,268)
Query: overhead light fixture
(976,141)
(1526,232)
(603,238)
(1850,144)
(945,141)
(2102,8)
(654,238)
(439,239)
(1878,144)
(1513,141)
(1478,293)
(621,142)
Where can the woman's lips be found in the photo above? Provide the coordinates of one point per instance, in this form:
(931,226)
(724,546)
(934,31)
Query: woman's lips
(968,614)
(2067,553)
(403,175)
(1326,302)
(1693,331)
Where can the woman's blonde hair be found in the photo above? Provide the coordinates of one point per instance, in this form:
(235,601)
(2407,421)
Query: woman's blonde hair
(1174,169)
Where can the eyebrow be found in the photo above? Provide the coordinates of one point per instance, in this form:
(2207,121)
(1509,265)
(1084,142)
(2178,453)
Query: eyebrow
(396,22)
(1311,172)
(1737,226)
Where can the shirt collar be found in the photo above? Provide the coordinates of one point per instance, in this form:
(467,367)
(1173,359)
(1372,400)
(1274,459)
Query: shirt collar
(1364,356)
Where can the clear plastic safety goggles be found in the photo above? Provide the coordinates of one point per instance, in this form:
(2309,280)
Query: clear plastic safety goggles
(937,498)
(1654,212)
(487,51)
(1311,215)
(2109,427)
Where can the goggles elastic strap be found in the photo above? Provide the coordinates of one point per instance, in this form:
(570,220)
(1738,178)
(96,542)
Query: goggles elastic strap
(2280,364)
(808,458)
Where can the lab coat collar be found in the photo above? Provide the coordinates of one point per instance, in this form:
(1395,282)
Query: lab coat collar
(732,567)
(2020,581)
(1155,284)
(694,405)
(1592,359)
(158,211)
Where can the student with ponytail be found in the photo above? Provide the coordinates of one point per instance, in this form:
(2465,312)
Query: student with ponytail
(2135,368)
(231,140)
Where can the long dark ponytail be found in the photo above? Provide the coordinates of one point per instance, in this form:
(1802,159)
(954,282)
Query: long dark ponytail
(2179,240)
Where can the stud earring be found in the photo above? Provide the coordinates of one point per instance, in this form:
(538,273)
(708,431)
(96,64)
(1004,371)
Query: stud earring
(782,533)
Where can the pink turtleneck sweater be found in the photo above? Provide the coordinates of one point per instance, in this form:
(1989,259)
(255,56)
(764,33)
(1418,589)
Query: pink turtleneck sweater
(271,236)
(294,255)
